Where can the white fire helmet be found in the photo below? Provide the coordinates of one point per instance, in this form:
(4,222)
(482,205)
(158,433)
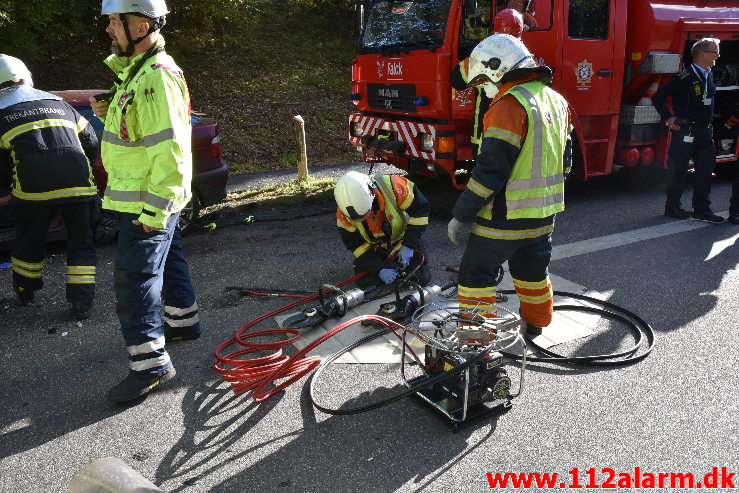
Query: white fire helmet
(354,193)
(147,8)
(12,69)
(494,57)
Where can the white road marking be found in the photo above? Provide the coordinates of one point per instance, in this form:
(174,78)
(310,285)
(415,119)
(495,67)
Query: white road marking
(627,237)
(567,327)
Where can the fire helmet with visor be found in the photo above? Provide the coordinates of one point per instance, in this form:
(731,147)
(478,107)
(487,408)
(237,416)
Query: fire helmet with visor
(354,193)
(14,70)
(493,58)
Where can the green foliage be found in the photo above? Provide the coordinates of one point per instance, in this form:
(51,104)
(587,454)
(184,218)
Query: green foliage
(288,160)
(250,64)
(45,23)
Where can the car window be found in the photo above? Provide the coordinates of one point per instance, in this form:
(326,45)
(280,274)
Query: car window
(86,112)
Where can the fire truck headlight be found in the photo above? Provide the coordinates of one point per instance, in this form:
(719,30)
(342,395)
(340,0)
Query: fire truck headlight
(357,130)
(427,142)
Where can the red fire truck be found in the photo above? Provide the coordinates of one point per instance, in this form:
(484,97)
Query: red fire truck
(608,57)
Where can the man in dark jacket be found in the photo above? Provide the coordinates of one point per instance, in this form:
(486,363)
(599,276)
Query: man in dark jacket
(45,152)
(692,92)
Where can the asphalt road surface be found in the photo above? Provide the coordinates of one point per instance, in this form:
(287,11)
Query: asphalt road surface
(674,412)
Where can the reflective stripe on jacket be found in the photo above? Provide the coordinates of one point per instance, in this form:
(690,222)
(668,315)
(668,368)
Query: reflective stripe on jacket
(45,152)
(535,188)
(147,139)
(403,206)
(526,126)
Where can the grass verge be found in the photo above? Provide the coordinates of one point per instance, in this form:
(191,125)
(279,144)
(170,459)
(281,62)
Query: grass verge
(310,191)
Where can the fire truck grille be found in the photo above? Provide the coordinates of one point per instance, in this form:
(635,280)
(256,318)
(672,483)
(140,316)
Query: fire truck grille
(395,97)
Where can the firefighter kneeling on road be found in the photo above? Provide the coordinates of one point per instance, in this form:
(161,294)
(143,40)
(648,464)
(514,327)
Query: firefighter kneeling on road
(45,152)
(378,217)
(517,185)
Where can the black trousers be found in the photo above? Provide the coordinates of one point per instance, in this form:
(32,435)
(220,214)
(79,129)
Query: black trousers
(734,201)
(32,220)
(703,152)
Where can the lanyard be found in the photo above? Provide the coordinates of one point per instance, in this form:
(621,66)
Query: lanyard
(705,84)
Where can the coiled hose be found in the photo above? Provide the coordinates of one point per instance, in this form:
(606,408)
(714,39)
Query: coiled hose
(258,374)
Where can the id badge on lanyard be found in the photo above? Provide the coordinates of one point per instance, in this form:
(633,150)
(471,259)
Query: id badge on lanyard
(706,100)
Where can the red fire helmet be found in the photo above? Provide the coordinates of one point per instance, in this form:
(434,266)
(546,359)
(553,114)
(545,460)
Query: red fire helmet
(508,21)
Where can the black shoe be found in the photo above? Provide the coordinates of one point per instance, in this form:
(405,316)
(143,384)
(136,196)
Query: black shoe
(677,212)
(734,219)
(532,330)
(709,217)
(136,385)
(172,334)
(25,296)
(422,276)
(80,310)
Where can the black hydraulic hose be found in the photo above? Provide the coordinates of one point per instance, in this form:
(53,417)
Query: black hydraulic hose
(428,382)
(638,325)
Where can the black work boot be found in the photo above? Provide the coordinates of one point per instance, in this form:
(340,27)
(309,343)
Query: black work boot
(25,296)
(677,212)
(532,330)
(172,334)
(708,216)
(80,310)
(136,385)
(422,276)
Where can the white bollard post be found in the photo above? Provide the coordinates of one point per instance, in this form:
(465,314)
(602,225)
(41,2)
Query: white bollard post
(302,153)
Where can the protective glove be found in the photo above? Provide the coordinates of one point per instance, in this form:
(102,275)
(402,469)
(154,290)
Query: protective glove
(453,229)
(387,275)
(405,255)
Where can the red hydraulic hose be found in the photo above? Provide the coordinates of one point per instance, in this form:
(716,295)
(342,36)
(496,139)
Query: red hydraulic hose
(247,374)
(289,369)
(258,373)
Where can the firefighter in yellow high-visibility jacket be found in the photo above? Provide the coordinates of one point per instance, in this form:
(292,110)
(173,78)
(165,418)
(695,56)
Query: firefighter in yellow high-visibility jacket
(146,150)
(378,217)
(517,185)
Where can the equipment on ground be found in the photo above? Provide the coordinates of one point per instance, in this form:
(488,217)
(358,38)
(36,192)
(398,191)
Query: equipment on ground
(606,60)
(469,350)
(333,307)
(455,337)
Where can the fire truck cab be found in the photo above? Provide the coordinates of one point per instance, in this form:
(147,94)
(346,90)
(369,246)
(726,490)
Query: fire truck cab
(608,57)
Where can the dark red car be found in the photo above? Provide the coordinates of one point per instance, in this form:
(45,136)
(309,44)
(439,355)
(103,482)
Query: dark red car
(210,174)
